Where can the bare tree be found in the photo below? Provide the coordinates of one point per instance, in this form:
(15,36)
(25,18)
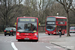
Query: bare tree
(57,8)
(44,6)
(31,6)
(20,1)
(6,9)
(67,4)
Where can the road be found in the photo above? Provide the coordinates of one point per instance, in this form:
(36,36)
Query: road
(10,43)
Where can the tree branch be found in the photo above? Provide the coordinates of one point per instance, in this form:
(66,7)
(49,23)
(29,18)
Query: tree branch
(70,4)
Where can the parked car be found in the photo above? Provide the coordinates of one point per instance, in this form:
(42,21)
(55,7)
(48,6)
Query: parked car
(9,31)
(72,29)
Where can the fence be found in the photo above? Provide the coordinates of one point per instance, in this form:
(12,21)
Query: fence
(41,29)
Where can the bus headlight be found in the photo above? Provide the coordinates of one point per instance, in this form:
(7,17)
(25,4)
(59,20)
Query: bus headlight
(18,33)
(46,32)
(54,32)
(35,34)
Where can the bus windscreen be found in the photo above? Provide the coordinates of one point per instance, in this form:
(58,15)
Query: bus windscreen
(27,25)
(50,27)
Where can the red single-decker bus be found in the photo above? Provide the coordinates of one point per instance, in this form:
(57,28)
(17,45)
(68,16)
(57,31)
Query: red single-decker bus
(54,23)
(27,28)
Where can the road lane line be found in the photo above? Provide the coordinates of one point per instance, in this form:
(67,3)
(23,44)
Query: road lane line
(48,47)
(13,45)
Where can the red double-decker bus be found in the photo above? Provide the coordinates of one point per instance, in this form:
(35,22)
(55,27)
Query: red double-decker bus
(54,23)
(27,28)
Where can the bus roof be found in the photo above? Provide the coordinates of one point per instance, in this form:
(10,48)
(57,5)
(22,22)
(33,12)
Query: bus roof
(27,17)
(58,17)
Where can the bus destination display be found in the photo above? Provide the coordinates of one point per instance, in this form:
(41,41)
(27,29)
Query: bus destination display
(27,20)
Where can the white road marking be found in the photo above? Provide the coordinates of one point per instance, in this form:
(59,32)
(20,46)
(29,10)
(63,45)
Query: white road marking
(13,45)
(48,47)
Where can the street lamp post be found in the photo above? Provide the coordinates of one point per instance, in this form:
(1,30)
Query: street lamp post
(57,14)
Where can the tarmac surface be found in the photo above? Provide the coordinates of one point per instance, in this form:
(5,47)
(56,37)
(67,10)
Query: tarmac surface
(65,42)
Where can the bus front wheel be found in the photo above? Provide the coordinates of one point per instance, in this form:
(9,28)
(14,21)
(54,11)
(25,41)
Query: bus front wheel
(36,40)
(48,34)
(19,40)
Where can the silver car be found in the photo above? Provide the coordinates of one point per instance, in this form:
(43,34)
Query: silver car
(72,29)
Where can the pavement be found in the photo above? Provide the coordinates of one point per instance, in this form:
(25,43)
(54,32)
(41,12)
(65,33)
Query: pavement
(1,32)
(65,42)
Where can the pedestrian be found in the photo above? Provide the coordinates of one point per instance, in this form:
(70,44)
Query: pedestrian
(60,32)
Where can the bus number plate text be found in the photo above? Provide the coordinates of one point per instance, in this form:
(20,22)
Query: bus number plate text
(26,38)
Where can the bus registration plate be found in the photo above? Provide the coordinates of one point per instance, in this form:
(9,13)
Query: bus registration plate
(26,38)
